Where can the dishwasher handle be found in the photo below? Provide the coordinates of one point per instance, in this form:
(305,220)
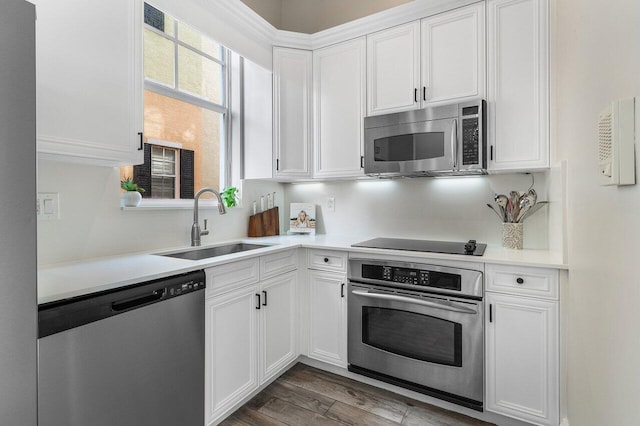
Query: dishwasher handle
(136,302)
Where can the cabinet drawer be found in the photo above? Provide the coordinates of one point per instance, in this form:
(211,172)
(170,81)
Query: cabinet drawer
(538,282)
(277,263)
(327,260)
(231,276)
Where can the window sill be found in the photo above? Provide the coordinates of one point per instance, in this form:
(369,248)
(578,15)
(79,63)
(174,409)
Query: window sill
(147,205)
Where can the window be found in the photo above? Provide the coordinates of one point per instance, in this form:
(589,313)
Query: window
(185,110)
(163,172)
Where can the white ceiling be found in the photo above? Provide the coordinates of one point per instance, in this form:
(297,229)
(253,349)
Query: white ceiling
(311,16)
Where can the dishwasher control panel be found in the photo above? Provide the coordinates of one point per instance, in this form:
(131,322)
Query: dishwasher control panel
(186,287)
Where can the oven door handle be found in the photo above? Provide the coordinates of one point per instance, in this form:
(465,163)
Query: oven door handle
(393,297)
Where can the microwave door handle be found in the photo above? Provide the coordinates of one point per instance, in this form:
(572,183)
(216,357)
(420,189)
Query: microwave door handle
(454,143)
(393,297)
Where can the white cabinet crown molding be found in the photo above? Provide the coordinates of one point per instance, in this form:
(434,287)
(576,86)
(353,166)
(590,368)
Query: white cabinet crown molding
(244,16)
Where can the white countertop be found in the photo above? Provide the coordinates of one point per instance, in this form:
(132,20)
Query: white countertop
(67,280)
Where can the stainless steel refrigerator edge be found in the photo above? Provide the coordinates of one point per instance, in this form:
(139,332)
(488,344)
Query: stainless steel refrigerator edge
(18,264)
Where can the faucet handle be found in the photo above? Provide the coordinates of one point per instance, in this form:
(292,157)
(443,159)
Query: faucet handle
(205,232)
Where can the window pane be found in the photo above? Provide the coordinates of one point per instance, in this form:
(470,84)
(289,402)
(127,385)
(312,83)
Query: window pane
(162,187)
(196,129)
(199,76)
(156,168)
(169,155)
(194,38)
(158,20)
(158,58)
(169,168)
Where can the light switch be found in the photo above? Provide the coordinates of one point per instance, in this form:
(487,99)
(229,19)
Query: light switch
(331,204)
(48,206)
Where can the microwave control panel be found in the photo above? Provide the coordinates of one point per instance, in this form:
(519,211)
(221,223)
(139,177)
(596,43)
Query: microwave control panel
(470,136)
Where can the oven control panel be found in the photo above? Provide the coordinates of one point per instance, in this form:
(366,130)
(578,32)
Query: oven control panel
(416,277)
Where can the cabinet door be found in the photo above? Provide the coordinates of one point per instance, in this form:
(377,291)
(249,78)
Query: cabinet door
(339,88)
(231,348)
(453,55)
(518,90)
(257,121)
(393,69)
(292,97)
(522,358)
(278,347)
(327,317)
(89,80)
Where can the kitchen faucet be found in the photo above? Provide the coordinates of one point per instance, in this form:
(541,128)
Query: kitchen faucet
(195,228)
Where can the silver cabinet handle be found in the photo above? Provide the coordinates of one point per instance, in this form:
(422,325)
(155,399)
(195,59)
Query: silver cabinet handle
(404,299)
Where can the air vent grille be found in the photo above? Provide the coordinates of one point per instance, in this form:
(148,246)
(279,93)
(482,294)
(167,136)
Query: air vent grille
(605,137)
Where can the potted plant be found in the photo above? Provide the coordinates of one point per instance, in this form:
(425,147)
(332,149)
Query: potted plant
(133,193)
(230,196)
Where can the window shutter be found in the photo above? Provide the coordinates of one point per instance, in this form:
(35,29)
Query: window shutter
(142,172)
(186,174)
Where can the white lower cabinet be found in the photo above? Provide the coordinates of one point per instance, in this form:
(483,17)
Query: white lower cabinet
(522,358)
(231,350)
(278,331)
(328,317)
(250,337)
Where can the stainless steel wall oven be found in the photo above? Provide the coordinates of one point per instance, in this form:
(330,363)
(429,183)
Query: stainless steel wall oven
(418,326)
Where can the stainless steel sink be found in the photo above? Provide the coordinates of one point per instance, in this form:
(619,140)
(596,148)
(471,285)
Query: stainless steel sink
(207,252)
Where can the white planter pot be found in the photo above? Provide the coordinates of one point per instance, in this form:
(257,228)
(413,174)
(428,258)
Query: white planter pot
(131,199)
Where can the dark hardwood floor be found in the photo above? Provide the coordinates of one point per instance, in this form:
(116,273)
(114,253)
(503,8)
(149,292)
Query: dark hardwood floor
(307,396)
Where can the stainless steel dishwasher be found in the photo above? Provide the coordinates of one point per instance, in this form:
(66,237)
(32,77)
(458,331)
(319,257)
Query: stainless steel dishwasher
(133,356)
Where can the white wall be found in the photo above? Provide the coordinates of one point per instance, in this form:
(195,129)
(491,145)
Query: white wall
(440,209)
(93,225)
(596,57)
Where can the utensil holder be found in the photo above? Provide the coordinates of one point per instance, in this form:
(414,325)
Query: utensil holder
(512,235)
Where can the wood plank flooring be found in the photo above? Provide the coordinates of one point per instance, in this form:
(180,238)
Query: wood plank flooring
(307,396)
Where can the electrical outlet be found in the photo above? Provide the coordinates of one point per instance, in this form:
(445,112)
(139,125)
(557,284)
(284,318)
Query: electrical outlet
(331,204)
(48,206)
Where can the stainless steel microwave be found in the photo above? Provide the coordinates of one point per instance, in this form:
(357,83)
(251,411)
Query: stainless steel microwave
(438,141)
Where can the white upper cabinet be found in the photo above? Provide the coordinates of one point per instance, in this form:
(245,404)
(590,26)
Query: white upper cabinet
(90,81)
(257,121)
(292,103)
(339,103)
(393,69)
(518,84)
(453,55)
(439,59)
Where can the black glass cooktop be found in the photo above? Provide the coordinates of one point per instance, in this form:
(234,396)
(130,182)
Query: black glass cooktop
(470,248)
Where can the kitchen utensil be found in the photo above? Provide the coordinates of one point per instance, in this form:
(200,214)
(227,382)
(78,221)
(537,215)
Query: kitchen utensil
(495,211)
(525,205)
(534,209)
(502,201)
(514,198)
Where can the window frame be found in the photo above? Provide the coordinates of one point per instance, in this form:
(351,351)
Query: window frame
(174,92)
